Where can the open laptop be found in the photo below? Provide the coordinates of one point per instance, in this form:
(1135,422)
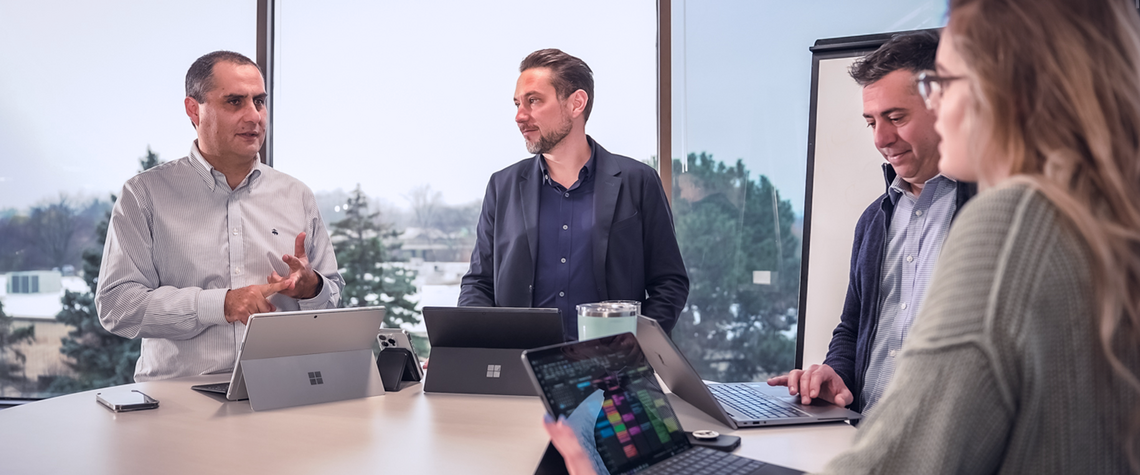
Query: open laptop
(305,357)
(734,404)
(475,350)
(606,390)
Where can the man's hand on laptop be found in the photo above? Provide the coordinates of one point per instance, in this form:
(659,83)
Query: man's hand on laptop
(246,301)
(304,281)
(818,381)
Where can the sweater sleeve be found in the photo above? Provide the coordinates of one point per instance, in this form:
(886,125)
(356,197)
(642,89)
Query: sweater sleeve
(949,408)
(844,339)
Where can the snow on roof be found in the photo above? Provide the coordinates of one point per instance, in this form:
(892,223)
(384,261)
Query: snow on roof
(42,306)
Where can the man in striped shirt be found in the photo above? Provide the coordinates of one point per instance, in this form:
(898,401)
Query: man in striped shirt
(197,245)
(897,239)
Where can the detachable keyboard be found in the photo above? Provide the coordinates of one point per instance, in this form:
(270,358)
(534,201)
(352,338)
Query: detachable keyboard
(220,388)
(753,403)
(704,460)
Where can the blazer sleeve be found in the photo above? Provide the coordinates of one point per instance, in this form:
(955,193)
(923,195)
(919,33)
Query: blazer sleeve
(477,288)
(666,280)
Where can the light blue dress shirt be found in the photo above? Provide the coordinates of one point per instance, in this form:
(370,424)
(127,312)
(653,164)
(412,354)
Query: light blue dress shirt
(918,228)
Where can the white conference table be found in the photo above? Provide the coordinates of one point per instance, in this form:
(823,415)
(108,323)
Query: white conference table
(401,432)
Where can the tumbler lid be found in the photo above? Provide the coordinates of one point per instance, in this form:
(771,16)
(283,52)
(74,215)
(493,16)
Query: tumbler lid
(609,309)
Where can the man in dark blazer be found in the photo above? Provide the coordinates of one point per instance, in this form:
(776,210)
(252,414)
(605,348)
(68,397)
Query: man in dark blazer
(574,223)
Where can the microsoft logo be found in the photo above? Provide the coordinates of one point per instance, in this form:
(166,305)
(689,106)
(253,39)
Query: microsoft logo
(315,378)
(493,370)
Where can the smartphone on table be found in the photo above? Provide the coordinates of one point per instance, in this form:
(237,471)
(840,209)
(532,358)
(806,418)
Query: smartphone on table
(124,401)
(399,338)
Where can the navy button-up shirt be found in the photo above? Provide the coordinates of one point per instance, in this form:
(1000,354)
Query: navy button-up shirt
(564,271)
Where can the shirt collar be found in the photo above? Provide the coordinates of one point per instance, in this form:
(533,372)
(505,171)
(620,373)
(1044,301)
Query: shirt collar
(585,173)
(207,171)
(896,189)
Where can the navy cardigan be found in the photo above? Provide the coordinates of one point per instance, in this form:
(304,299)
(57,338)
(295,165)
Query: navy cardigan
(850,349)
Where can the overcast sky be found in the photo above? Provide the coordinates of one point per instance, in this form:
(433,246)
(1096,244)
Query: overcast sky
(85,87)
(393,95)
(426,95)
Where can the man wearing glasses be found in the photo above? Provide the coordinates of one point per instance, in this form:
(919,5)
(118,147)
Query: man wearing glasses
(898,237)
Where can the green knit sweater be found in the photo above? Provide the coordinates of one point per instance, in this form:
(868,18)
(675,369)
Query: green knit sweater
(1002,371)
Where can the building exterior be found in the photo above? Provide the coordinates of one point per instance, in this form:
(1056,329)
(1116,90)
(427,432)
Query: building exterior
(32,298)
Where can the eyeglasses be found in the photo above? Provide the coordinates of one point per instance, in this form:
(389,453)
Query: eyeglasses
(931,86)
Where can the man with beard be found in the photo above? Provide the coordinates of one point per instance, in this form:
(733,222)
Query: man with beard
(574,223)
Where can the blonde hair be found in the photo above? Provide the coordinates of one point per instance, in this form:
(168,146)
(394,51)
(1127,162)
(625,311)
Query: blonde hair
(1057,105)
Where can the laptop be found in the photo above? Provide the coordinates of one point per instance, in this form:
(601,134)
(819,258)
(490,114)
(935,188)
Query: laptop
(606,390)
(736,405)
(305,357)
(475,350)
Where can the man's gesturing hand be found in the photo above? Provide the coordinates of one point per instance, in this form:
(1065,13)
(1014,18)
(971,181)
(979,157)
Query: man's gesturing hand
(246,301)
(304,283)
(818,381)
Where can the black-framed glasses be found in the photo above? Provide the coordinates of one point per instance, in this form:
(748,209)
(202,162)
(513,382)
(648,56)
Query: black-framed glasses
(931,85)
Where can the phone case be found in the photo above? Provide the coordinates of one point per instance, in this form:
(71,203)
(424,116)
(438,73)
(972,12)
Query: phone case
(398,338)
(127,402)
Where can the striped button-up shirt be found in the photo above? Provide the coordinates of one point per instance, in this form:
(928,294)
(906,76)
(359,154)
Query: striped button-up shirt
(179,238)
(918,228)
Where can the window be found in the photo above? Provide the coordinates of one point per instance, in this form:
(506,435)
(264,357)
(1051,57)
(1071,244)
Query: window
(88,90)
(411,104)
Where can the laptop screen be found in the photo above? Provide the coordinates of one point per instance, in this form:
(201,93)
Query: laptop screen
(608,386)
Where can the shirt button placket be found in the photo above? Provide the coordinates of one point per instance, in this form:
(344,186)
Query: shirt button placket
(236,244)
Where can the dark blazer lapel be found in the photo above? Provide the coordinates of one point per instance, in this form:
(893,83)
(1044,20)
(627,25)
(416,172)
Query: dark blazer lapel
(606,188)
(529,182)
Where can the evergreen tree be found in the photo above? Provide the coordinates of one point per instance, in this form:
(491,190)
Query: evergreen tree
(98,357)
(149,161)
(11,359)
(370,276)
(729,226)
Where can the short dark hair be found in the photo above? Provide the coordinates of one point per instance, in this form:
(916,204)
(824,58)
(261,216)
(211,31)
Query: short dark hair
(568,74)
(200,77)
(911,51)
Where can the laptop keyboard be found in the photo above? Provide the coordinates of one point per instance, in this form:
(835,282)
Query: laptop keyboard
(753,404)
(703,460)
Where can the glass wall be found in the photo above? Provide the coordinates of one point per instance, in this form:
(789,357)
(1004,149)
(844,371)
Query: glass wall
(741,87)
(408,108)
(88,89)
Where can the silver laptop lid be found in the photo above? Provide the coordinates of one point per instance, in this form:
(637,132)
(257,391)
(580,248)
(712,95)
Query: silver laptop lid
(675,370)
(684,381)
(304,332)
